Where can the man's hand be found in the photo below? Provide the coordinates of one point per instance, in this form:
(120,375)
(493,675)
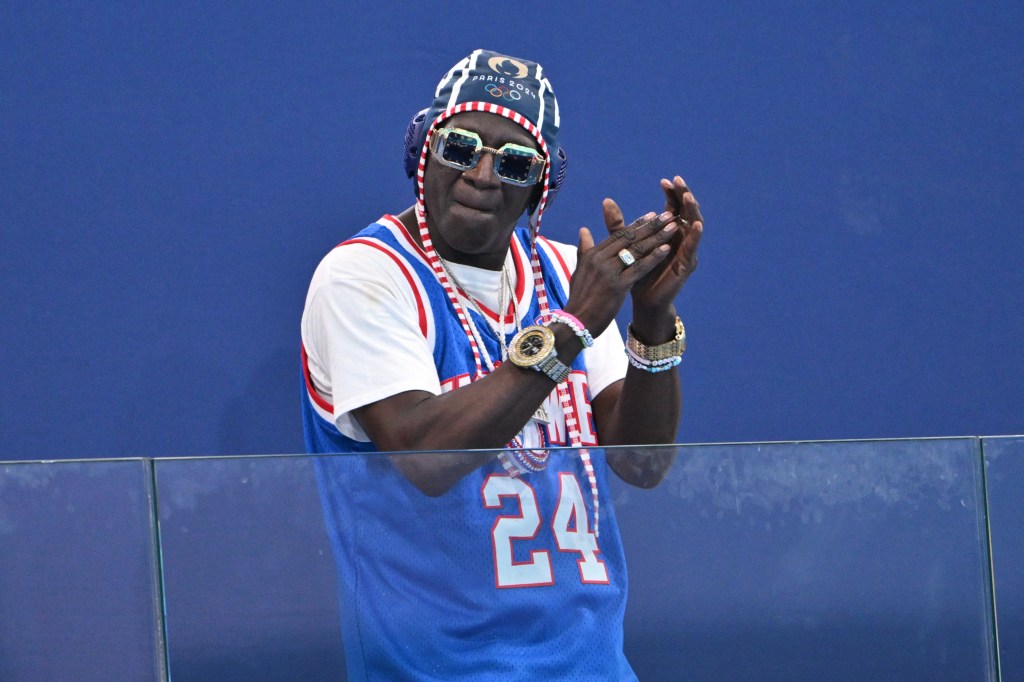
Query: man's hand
(630,255)
(659,287)
(644,408)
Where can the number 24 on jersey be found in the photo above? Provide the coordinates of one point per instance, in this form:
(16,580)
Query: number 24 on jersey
(570,526)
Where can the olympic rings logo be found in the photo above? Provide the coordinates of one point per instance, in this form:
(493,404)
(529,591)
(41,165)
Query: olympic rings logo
(502,92)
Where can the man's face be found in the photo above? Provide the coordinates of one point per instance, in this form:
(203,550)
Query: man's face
(471,214)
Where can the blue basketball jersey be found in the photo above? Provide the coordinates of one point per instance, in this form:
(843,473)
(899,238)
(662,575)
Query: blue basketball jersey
(500,578)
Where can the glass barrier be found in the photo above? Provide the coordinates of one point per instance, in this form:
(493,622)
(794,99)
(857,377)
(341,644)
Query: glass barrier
(249,576)
(1004,462)
(79,590)
(839,561)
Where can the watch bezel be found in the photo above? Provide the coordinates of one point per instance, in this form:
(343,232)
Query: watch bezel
(515,353)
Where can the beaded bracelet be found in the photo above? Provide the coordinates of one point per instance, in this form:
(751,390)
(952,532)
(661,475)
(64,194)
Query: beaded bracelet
(512,467)
(574,324)
(531,460)
(652,366)
(517,462)
(633,355)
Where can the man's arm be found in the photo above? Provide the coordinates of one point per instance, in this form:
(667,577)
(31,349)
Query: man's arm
(487,413)
(645,407)
(642,409)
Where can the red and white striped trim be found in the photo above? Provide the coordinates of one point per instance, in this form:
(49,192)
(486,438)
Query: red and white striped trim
(489,108)
(556,257)
(571,422)
(423,318)
(402,235)
(323,408)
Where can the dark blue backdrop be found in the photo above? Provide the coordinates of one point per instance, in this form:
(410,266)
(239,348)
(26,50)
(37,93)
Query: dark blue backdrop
(172,173)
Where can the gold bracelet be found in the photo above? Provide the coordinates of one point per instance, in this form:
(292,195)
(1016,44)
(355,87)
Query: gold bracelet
(664,351)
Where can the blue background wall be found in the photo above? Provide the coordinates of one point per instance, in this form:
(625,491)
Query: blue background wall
(171,174)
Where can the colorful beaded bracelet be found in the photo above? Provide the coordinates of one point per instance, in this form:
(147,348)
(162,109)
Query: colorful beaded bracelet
(574,324)
(653,366)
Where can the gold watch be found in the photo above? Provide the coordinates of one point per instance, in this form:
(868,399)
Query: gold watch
(534,348)
(664,351)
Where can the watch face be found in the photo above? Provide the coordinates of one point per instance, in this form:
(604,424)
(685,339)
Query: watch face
(531,346)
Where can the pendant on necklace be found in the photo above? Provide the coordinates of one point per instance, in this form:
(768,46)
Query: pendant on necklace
(541,415)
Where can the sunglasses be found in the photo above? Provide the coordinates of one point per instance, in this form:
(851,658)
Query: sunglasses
(513,163)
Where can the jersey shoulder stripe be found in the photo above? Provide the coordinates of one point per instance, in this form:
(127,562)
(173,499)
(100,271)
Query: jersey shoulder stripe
(323,408)
(414,285)
(554,254)
(389,237)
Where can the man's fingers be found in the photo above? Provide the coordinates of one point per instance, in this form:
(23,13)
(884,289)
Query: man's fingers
(686,258)
(644,264)
(693,208)
(671,200)
(688,204)
(643,227)
(586,240)
(679,199)
(612,216)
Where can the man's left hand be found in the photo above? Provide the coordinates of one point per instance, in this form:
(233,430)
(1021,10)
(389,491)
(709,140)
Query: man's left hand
(658,288)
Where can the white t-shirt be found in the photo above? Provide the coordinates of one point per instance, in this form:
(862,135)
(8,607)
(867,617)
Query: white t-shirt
(363,328)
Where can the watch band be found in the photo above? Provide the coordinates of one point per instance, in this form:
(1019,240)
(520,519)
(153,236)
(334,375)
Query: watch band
(555,369)
(534,348)
(663,351)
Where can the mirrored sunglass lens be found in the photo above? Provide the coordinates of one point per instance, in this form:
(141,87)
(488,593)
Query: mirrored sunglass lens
(459,149)
(514,165)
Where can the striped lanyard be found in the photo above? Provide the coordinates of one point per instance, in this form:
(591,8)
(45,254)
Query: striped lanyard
(484,366)
(571,421)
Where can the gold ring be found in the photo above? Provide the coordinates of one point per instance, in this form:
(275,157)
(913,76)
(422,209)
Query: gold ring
(627,257)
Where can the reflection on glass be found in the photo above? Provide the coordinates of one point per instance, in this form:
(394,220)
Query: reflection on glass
(1004,461)
(839,561)
(518,576)
(78,590)
(249,579)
